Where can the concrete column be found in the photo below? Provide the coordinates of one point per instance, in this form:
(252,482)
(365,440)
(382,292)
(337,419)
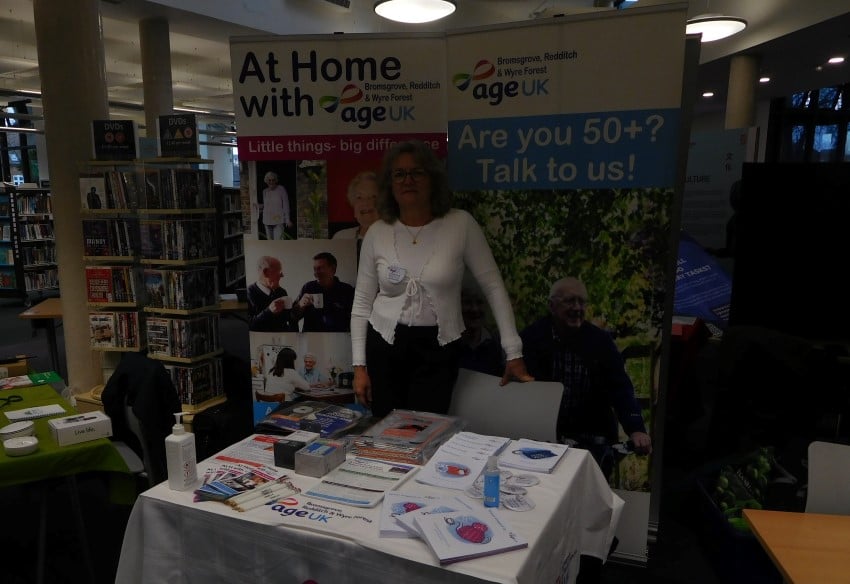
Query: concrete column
(71,64)
(741,95)
(156,71)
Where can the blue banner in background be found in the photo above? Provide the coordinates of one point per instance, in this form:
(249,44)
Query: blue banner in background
(703,288)
(600,150)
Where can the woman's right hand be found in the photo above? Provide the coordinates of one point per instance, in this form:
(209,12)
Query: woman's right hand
(362,386)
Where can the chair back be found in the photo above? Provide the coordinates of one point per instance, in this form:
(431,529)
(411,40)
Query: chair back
(516,410)
(829,478)
(136,428)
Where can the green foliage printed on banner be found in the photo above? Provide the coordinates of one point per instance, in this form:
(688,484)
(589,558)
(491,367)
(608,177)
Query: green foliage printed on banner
(616,241)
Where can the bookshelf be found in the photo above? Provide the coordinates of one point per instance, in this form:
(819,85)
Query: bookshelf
(151,248)
(231,267)
(27,243)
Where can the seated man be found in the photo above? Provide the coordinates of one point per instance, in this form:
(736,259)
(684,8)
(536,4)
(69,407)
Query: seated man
(324,303)
(312,374)
(267,300)
(564,347)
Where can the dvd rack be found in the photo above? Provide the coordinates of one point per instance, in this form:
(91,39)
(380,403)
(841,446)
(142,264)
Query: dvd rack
(150,237)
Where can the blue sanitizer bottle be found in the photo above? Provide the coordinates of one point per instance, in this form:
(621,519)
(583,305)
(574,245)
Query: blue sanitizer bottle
(491,482)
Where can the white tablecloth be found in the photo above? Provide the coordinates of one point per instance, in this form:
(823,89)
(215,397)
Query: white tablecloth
(171,539)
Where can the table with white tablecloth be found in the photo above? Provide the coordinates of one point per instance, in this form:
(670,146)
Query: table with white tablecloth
(170,538)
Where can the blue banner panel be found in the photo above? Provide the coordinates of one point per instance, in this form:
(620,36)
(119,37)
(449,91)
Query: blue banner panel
(601,150)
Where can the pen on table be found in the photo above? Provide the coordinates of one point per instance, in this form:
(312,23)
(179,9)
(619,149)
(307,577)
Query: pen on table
(260,501)
(264,495)
(258,492)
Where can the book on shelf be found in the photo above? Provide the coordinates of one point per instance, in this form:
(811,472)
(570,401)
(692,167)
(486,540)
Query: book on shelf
(178,239)
(532,455)
(114,330)
(407,436)
(107,237)
(465,535)
(181,289)
(106,284)
(102,329)
(93,191)
(150,239)
(329,420)
(116,191)
(198,382)
(183,337)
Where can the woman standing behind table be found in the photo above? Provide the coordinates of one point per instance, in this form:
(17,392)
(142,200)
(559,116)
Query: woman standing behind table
(284,379)
(406,321)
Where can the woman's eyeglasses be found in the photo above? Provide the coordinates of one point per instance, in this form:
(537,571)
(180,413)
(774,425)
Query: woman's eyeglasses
(417,174)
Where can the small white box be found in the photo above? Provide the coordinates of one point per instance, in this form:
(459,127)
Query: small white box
(80,428)
(319,457)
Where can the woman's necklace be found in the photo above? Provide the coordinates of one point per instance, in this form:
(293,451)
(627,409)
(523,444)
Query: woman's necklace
(414,236)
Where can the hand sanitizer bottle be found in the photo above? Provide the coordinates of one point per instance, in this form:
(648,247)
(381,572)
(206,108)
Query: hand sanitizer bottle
(491,482)
(180,457)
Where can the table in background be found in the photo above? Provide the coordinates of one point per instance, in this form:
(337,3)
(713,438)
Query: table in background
(167,534)
(44,315)
(51,462)
(808,548)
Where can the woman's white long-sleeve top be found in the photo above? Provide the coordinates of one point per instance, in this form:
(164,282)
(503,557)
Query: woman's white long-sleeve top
(380,294)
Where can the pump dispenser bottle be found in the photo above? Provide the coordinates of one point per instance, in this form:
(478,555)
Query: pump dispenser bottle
(180,457)
(491,482)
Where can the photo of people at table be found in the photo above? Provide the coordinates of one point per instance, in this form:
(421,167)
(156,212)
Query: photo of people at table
(286,365)
(303,285)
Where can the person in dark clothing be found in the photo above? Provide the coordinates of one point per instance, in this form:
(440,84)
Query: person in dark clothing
(324,303)
(268,302)
(598,393)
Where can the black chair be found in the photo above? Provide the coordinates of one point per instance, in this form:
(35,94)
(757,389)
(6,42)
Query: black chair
(141,400)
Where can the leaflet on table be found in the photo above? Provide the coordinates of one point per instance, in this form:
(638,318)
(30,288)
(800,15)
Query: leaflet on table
(328,419)
(533,456)
(34,412)
(244,486)
(464,535)
(458,462)
(29,379)
(257,449)
(360,481)
(398,503)
(442,505)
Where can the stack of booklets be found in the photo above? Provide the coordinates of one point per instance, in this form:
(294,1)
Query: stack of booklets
(459,461)
(407,436)
(456,529)
(532,455)
(328,420)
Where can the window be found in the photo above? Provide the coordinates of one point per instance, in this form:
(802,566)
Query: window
(810,126)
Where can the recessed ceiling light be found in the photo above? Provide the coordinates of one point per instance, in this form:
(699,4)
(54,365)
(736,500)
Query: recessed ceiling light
(708,94)
(835,60)
(414,11)
(764,79)
(714,27)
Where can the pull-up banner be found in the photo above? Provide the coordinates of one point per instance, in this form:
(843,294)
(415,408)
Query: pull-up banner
(553,106)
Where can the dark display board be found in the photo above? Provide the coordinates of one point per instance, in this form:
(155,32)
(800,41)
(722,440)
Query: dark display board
(793,227)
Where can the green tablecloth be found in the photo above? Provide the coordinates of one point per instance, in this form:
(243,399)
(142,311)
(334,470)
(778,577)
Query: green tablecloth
(54,461)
